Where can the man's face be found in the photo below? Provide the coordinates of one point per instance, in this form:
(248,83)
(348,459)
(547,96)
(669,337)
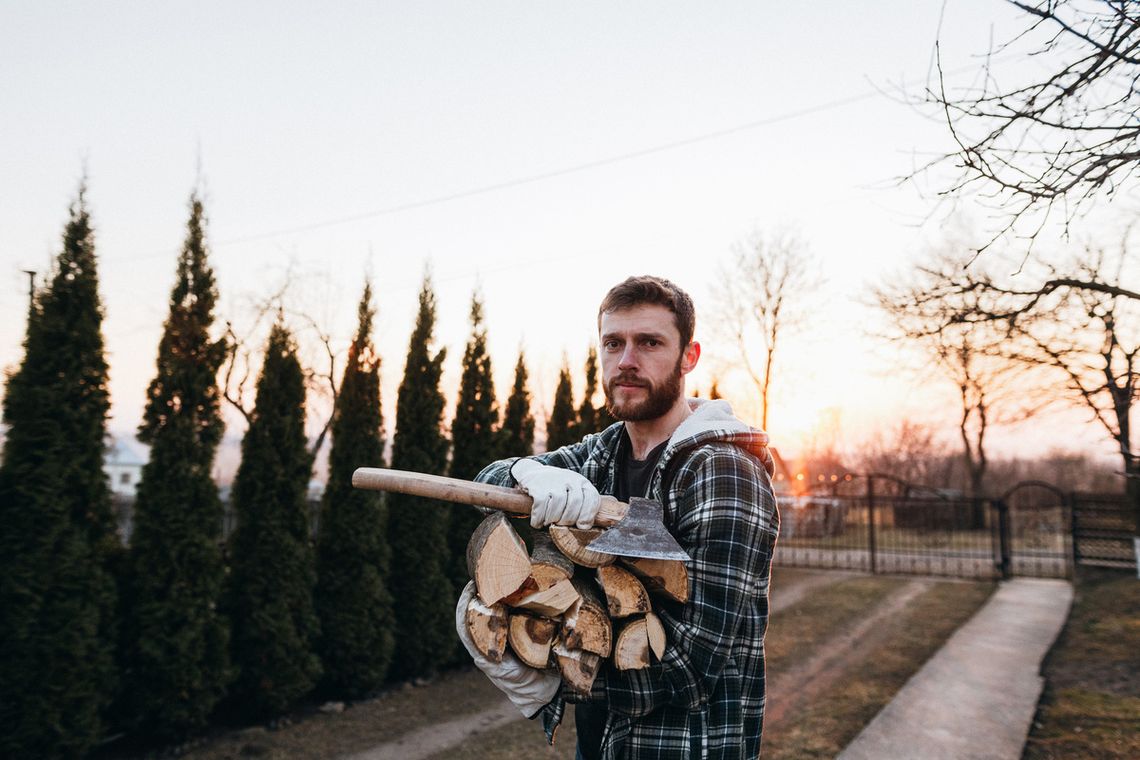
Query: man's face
(643,362)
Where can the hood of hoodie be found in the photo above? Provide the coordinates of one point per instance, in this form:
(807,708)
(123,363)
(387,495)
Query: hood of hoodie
(714,421)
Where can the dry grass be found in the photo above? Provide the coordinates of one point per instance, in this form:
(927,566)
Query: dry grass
(1091,705)
(823,726)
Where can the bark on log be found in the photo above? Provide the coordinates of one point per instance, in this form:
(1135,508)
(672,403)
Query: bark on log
(625,595)
(547,562)
(488,628)
(572,542)
(531,638)
(668,577)
(497,558)
(579,668)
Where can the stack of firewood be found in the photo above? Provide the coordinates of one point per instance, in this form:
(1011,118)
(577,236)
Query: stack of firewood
(565,605)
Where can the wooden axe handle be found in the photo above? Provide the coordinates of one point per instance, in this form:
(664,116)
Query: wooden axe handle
(513,500)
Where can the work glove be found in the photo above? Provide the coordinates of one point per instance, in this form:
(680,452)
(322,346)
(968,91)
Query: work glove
(529,689)
(560,496)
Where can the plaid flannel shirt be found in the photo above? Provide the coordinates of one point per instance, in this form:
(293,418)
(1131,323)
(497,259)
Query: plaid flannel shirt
(705,699)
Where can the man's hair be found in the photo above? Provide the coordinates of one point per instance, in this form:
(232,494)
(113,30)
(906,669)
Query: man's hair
(646,289)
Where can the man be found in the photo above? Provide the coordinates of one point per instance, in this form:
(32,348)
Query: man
(710,471)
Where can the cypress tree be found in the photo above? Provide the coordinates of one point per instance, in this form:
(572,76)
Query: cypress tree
(177,638)
(270,587)
(561,428)
(516,436)
(591,419)
(472,439)
(353,599)
(418,527)
(57,594)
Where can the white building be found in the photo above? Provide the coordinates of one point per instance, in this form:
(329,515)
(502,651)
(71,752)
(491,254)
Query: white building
(123,465)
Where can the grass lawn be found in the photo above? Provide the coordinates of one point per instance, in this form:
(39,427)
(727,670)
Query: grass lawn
(1091,705)
(818,723)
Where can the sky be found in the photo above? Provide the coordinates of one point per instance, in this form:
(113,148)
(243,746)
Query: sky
(537,152)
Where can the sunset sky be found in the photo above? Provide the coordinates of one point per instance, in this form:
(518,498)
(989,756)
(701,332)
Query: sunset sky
(539,151)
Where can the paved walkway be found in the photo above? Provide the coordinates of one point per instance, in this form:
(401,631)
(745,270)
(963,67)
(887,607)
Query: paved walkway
(976,696)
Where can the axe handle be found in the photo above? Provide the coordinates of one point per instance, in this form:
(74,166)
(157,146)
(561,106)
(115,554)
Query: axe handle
(512,500)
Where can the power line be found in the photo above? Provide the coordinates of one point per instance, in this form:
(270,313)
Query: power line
(562,172)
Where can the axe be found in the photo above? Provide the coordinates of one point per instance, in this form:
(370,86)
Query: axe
(636,529)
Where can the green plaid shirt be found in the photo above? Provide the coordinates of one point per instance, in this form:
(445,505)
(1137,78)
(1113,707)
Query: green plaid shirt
(705,699)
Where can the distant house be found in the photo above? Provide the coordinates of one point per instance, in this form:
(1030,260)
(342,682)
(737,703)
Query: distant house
(123,465)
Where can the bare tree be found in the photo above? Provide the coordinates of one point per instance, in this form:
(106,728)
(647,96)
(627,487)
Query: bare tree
(762,298)
(924,313)
(1063,138)
(319,357)
(1077,332)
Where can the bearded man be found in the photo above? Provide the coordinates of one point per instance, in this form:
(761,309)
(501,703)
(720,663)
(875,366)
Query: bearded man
(710,471)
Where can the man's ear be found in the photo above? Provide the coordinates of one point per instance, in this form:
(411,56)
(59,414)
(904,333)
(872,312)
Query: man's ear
(690,356)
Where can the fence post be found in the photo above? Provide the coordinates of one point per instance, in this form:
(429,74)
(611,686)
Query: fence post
(1071,497)
(871,522)
(1003,538)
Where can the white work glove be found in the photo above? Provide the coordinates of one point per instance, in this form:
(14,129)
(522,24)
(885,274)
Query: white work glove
(560,496)
(528,688)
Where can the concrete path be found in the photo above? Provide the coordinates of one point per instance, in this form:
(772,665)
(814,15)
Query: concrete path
(976,696)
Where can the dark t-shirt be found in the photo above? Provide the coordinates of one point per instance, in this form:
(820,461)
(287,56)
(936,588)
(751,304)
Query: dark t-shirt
(631,478)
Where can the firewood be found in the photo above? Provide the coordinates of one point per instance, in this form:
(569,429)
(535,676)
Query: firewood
(668,577)
(548,566)
(656,633)
(631,645)
(572,542)
(531,638)
(488,627)
(579,668)
(625,595)
(550,602)
(585,625)
(497,558)
(547,562)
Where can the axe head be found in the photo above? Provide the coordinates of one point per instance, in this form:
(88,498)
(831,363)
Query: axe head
(641,533)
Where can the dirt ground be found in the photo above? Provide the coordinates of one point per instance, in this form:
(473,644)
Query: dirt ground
(824,625)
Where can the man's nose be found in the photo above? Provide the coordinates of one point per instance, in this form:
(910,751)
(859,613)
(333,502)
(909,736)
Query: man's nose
(628,359)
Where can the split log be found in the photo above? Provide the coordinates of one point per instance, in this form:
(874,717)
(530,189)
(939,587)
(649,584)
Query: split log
(625,595)
(631,645)
(585,625)
(547,564)
(497,558)
(637,638)
(579,668)
(488,627)
(531,638)
(572,542)
(550,602)
(656,633)
(668,577)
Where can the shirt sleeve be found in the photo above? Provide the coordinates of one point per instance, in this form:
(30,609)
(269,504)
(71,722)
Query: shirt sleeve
(726,523)
(571,457)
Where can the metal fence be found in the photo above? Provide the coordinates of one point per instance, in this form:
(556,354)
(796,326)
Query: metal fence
(880,524)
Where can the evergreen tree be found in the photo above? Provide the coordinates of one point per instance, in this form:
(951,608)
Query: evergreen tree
(57,594)
(353,557)
(472,439)
(425,604)
(592,419)
(177,638)
(270,587)
(516,436)
(714,390)
(561,428)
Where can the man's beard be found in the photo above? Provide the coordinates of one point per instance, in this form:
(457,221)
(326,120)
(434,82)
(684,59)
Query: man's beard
(659,401)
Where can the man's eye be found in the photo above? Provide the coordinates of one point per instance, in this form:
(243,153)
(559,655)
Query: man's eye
(652,343)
